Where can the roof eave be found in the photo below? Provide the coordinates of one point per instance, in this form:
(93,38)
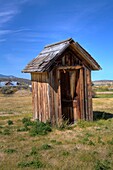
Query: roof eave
(87,57)
(29,71)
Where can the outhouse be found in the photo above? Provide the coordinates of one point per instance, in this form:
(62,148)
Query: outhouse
(61,82)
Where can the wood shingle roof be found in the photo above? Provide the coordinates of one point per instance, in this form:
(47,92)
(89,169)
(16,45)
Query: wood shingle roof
(51,52)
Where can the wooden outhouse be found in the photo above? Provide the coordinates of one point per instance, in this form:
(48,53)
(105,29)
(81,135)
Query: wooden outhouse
(61,82)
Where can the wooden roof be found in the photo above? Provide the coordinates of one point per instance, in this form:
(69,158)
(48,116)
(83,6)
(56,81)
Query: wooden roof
(51,52)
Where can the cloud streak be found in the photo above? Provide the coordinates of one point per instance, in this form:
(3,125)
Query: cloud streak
(9,10)
(4,32)
(19,35)
(7,13)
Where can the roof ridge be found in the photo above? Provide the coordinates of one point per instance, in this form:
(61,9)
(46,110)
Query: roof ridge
(49,45)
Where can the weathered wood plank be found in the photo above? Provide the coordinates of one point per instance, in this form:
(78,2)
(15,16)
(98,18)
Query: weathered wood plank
(69,67)
(82,94)
(35,100)
(89,84)
(59,99)
(86,95)
(78,96)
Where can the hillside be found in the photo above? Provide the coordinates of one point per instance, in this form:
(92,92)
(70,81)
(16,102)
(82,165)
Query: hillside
(103,82)
(27,81)
(5,76)
(13,78)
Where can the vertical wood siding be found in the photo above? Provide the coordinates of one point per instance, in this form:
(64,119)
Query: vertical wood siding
(55,97)
(41,103)
(46,97)
(89,85)
(82,111)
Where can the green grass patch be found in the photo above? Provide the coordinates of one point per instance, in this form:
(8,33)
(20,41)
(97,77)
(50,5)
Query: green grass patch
(46,147)
(84,124)
(56,142)
(27,121)
(102,165)
(10,151)
(6,131)
(10,122)
(40,128)
(33,151)
(22,129)
(104,96)
(65,153)
(32,164)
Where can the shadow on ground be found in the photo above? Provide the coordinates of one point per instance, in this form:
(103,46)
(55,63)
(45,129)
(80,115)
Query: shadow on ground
(97,115)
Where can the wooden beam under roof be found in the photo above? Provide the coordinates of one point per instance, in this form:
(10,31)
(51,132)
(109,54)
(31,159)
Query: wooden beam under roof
(69,67)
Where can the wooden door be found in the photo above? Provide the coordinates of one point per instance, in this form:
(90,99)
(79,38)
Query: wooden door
(69,96)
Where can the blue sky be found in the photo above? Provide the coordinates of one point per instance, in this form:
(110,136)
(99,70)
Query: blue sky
(26,26)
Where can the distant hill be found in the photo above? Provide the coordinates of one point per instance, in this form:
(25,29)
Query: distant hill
(27,81)
(4,76)
(102,82)
(13,78)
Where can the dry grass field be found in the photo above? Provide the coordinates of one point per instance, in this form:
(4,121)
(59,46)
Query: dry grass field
(83,146)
